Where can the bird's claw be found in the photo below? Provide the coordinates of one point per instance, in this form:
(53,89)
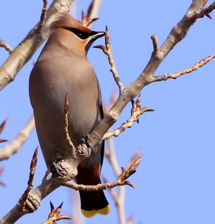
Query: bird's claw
(32,202)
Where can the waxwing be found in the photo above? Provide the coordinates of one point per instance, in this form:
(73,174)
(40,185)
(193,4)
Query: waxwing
(63,68)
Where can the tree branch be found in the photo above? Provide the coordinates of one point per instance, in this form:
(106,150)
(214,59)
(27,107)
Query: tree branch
(25,50)
(107,50)
(119,199)
(11,148)
(121,180)
(33,165)
(32,202)
(136,111)
(6,46)
(185,71)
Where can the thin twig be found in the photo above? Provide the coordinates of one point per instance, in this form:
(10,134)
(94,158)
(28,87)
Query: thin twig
(110,154)
(136,111)
(119,199)
(43,15)
(121,180)
(66,124)
(6,46)
(33,165)
(155,44)
(107,50)
(185,71)
(12,147)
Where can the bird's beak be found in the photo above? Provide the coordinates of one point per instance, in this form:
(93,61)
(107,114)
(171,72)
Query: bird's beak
(93,37)
(96,35)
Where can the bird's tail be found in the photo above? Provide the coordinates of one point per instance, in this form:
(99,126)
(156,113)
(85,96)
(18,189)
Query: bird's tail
(94,202)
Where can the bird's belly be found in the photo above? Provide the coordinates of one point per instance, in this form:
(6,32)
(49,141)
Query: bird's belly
(49,119)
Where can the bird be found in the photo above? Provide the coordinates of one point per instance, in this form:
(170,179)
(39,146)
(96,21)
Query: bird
(61,69)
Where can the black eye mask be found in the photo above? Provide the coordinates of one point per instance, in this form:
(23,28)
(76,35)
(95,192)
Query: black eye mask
(79,33)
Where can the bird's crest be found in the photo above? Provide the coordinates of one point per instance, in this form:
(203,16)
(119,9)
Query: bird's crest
(65,20)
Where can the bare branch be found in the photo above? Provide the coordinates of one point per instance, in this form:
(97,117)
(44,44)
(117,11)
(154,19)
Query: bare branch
(107,50)
(26,49)
(155,44)
(119,199)
(33,165)
(32,202)
(121,181)
(43,15)
(6,46)
(66,124)
(185,71)
(13,147)
(110,154)
(136,111)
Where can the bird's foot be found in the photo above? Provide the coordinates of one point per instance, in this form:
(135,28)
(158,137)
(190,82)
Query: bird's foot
(64,168)
(84,149)
(31,203)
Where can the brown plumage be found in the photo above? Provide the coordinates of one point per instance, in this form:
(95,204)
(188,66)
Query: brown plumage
(63,68)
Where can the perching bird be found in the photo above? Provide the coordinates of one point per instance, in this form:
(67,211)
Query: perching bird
(63,68)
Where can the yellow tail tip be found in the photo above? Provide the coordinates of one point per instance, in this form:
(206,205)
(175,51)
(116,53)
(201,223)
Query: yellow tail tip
(91,213)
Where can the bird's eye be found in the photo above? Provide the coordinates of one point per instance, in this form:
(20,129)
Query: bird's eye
(79,33)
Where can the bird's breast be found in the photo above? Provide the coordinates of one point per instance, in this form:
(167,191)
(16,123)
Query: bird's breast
(50,81)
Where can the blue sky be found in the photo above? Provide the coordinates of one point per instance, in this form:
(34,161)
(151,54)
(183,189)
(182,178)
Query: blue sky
(175,182)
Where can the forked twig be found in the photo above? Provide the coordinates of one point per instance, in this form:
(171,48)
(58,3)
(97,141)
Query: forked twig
(185,71)
(121,180)
(136,111)
(54,215)
(107,50)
